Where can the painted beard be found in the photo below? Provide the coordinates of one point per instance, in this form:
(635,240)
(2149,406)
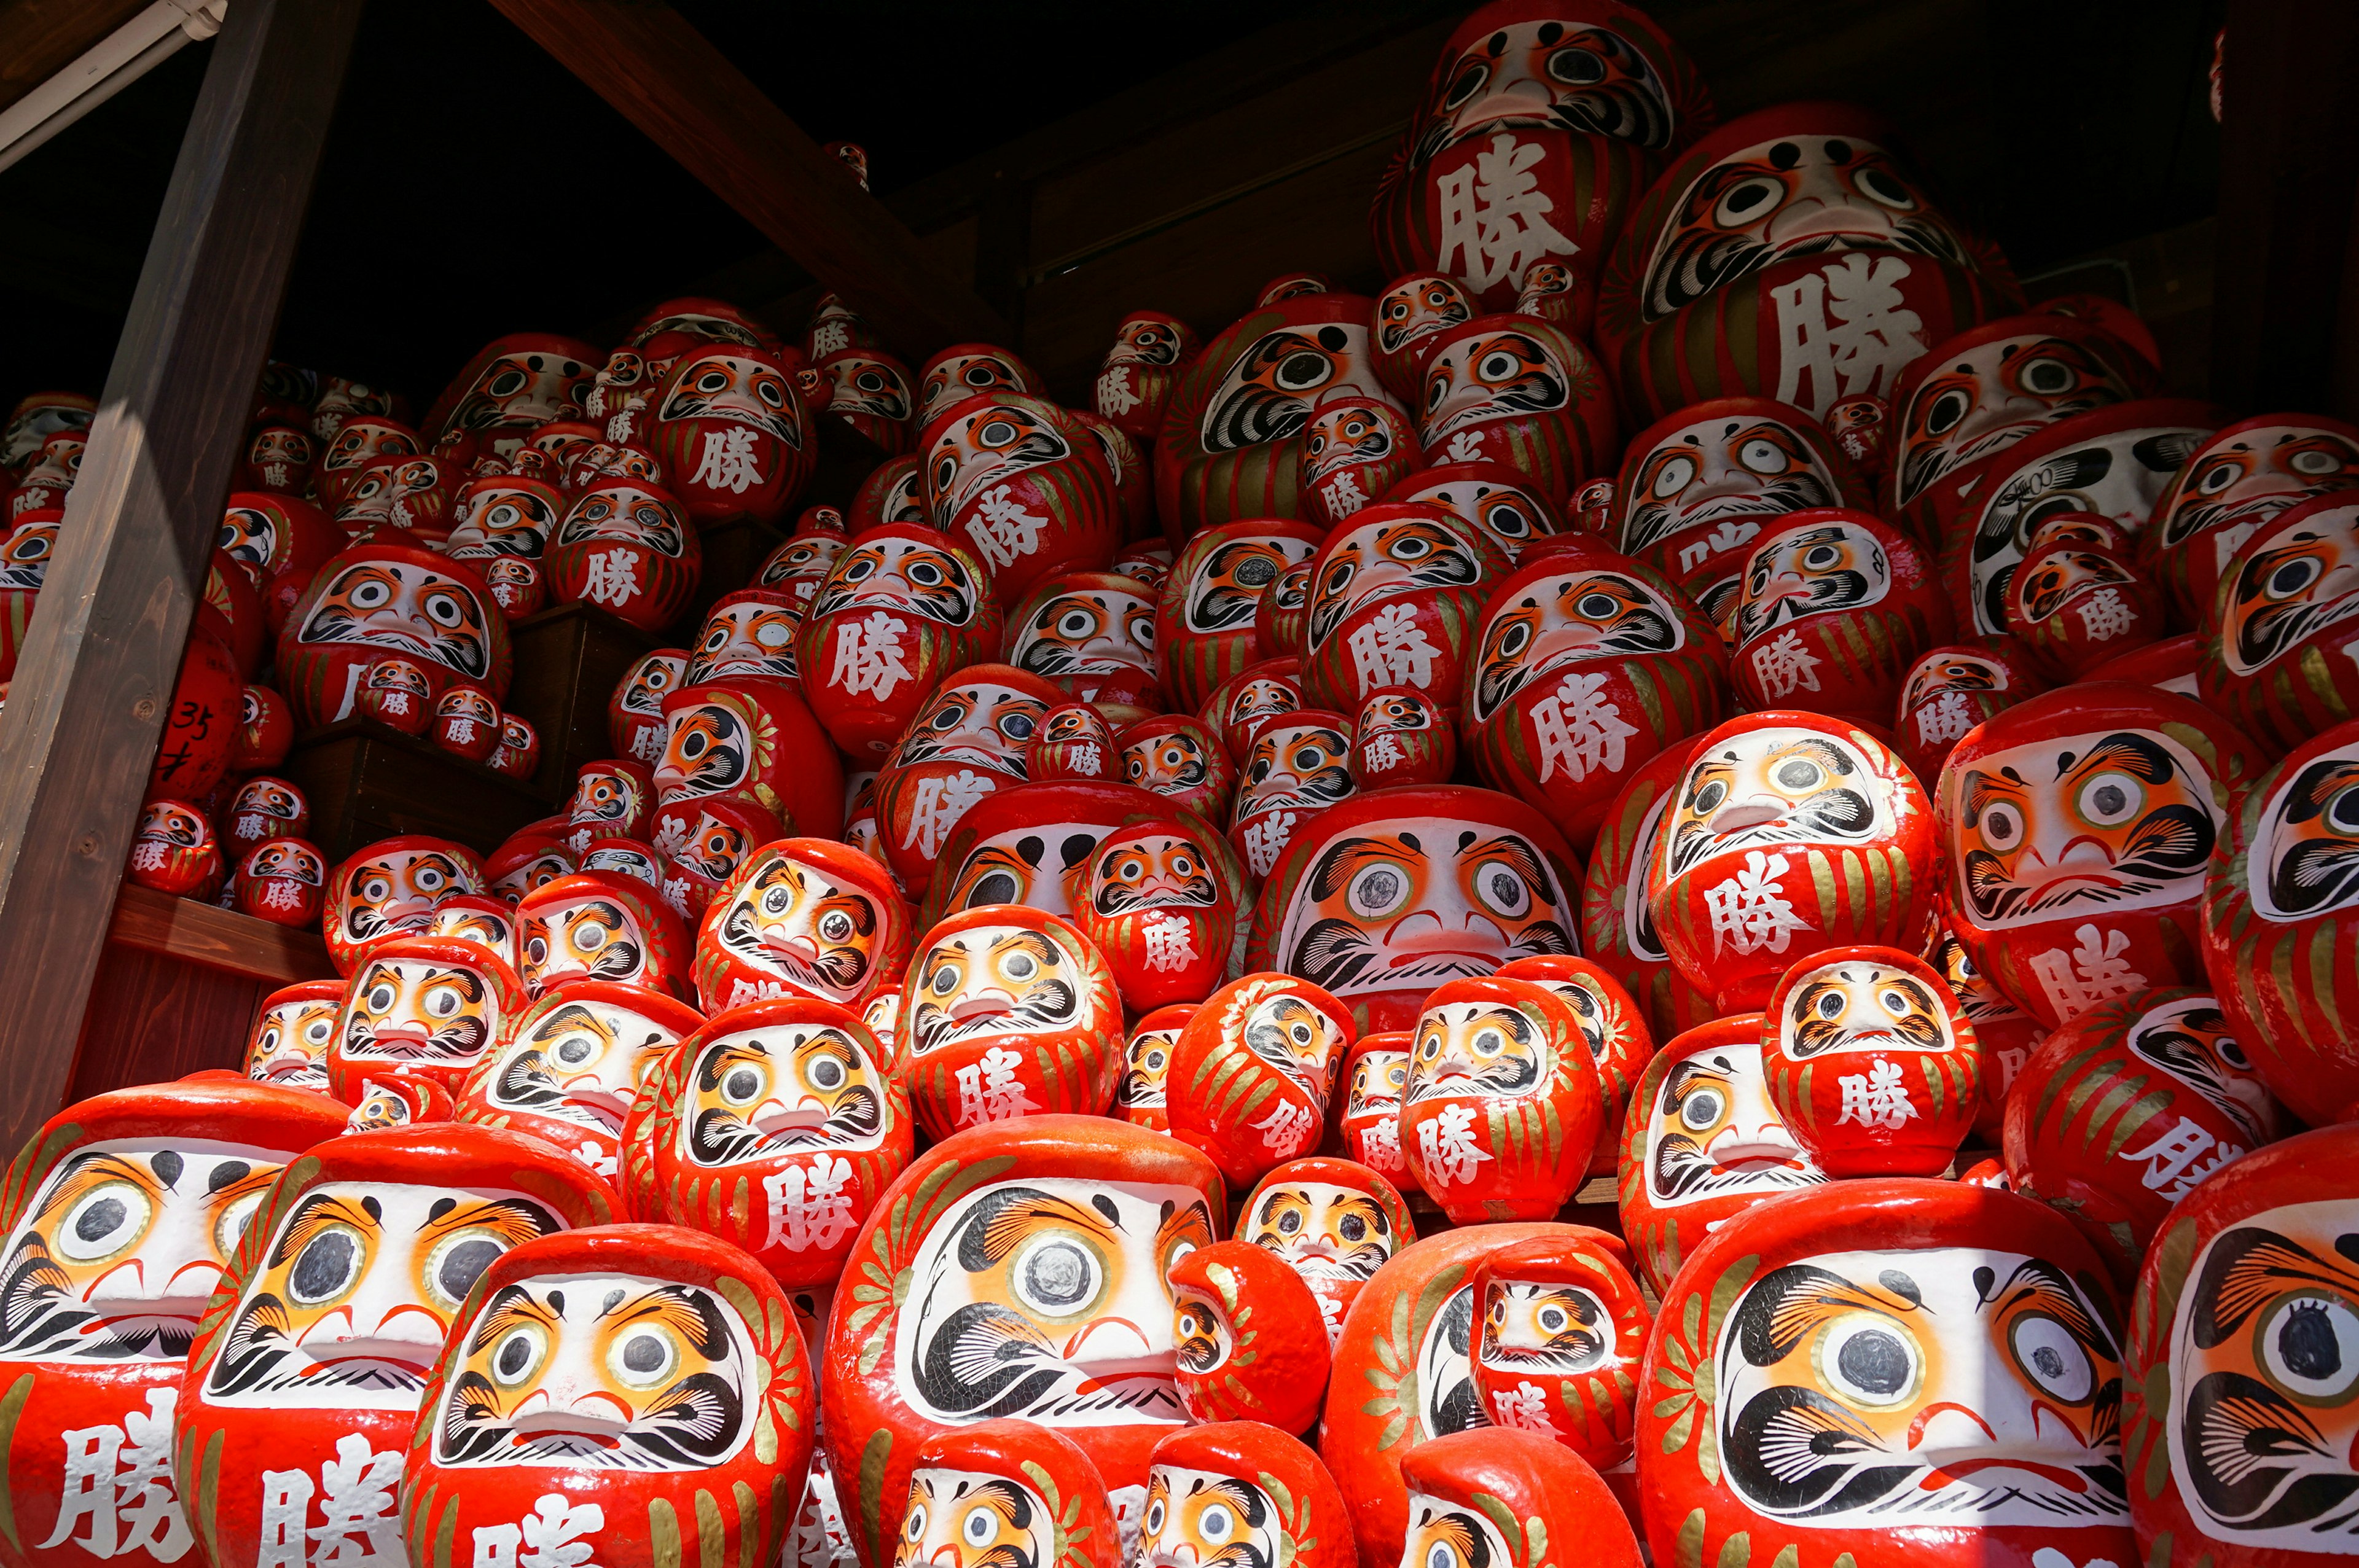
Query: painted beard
(1734,1146)
(1346,952)
(1227,591)
(2187,1039)
(457,1041)
(1683,1168)
(719,1137)
(2167,847)
(1814,1033)
(2013,1379)
(1051,1002)
(1651,522)
(461,652)
(1839,815)
(1447,1398)
(1267,394)
(837,971)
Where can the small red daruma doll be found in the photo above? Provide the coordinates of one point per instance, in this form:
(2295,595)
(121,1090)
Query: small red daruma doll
(731,429)
(1540,1490)
(1249,1337)
(1007,1012)
(1072,742)
(627,547)
(1353,451)
(123,1214)
(398,694)
(634,715)
(2117,1164)
(389,889)
(283,880)
(2275,629)
(1409,312)
(1949,690)
(176,851)
(1790,832)
(1519,391)
(791,1099)
(1251,1073)
(1585,663)
(1559,1332)
(2253,1269)
(557,1410)
(1024,484)
(1182,760)
(1333,1222)
(1700,1143)
(802,917)
(2074,606)
(1402,737)
(747,634)
(1007,1491)
(1872,1063)
(1962,1337)
(477,917)
(265,808)
(1395,597)
(467,722)
(601,925)
(572,1068)
(428,1006)
(612,797)
(1832,608)
(518,756)
(1135,380)
(2077,826)
(1375,1076)
(1205,620)
(1263,689)
(1146,1067)
(265,729)
(289,1044)
(902,608)
(1300,765)
(1503,1103)
(1151,900)
(1242,1490)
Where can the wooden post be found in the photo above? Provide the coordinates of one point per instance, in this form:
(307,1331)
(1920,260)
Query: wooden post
(2288,173)
(104,652)
(666,78)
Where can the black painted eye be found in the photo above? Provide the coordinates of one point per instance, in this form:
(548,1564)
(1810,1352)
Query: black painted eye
(327,1266)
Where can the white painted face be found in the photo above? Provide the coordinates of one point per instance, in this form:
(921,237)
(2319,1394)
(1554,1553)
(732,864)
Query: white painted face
(1269,391)
(760,1093)
(290,1044)
(1044,1297)
(1711,1132)
(127,1239)
(1545,1327)
(1443,1534)
(1730,475)
(1964,1382)
(2304,860)
(970,1519)
(1808,572)
(1861,1005)
(2103,823)
(1224,590)
(994,981)
(1765,789)
(357,1289)
(582,1061)
(1563,620)
(986,447)
(1487,1049)
(2265,1382)
(600,1372)
(1323,1229)
(2189,1039)
(1196,1518)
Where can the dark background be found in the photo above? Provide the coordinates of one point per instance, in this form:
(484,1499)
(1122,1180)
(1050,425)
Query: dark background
(472,187)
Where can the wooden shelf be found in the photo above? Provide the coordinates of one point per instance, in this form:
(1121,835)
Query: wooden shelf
(568,661)
(367,781)
(214,938)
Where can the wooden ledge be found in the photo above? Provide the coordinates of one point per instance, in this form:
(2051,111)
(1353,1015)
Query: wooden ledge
(215,938)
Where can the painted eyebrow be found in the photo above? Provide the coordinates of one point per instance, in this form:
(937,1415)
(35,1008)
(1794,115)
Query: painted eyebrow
(513,1218)
(315,1212)
(510,1306)
(88,1167)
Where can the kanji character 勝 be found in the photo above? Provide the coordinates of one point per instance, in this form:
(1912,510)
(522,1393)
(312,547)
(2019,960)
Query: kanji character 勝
(729,461)
(1494,216)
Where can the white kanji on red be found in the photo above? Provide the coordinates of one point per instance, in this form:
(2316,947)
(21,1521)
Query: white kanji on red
(940,803)
(730,461)
(1447,1143)
(868,657)
(1749,911)
(1287,1130)
(2180,1157)
(1844,330)
(1266,840)
(1946,721)
(1169,945)
(1875,1099)
(1116,396)
(1004,531)
(118,1481)
(1783,666)
(989,1090)
(1522,1407)
(2104,616)
(810,1209)
(2095,972)
(613,578)
(1392,649)
(1493,215)
(1578,731)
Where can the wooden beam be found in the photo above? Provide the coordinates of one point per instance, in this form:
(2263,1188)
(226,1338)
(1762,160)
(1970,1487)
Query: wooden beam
(219,939)
(2288,173)
(40,37)
(103,656)
(669,80)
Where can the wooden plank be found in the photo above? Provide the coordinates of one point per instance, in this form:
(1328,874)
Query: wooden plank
(40,37)
(211,938)
(367,781)
(99,661)
(154,1018)
(2288,173)
(669,80)
(568,662)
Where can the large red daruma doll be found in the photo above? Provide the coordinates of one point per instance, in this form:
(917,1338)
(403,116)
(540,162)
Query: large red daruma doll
(376,599)
(558,1409)
(1394,597)
(1788,254)
(1007,1012)
(1024,484)
(315,1351)
(1039,1246)
(730,426)
(802,917)
(900,609)
(793,1102)
(1503,1103)
(1231,445)
(968,741)
(629,548)
(389,889)
(2252,1269)
(1515,390)
(121,1215)
(2077,826)
(1204,631)
(1252,1073)
(1541,125)
(1962,1339)
(1789,833)
(1586,664)
(2280,925)
(1381,898)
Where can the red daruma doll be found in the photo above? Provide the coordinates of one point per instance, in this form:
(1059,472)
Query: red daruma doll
(1503,1103)
(628,548)
(1025,483)
(1152,901)
(1832,609)
(730,427)
(1007,1012)
(560,1408)
(902,608)
(1251,1073)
